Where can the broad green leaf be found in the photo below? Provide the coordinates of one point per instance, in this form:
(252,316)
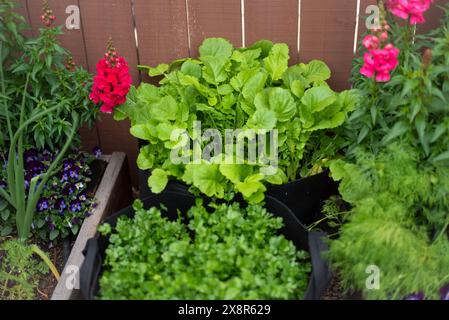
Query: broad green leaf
(254,85)
(262,119)
(216,47)
(142,131)
(236,172)
(318,98)
(207,178)
(146,157)
(264,45)
(191,68)
(54,234)
(251,185)
(315,70)
(5,231)
(156,71)
(442,157)
(278,178)
(298,88)
(278,100)
(215,69)
(277,61)
(165,109)
(158,180)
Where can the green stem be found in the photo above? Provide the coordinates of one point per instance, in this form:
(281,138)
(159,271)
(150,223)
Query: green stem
(47,260)
(34,195)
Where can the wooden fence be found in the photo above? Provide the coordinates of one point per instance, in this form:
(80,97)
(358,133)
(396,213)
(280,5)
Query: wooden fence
(156,31)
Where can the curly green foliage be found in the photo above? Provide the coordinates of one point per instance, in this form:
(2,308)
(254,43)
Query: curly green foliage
(50,83)
(228,88)
(19,271)
(398,222)
(231,253)
(414,104)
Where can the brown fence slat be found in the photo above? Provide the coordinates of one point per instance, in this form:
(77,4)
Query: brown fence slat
(275,20)
(72,40)
(363,15)
(161,30)
(327,33)
(103,19)
(214,18)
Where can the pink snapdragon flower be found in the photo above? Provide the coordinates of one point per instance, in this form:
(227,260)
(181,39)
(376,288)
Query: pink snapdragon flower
(380,62)
(413,9)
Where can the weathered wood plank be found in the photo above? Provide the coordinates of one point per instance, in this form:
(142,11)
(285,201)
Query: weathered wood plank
(327,33)
(214,18)
(112,195)
(275,20)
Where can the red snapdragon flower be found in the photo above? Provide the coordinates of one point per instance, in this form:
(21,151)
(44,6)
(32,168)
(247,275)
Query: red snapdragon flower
(381,57)
(380,62)
(112,82)
(413,9)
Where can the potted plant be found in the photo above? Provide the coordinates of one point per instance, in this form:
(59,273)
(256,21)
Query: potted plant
(186,250)
(208,122)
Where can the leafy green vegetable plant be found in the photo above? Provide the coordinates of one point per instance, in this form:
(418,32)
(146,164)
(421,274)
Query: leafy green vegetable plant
(231,89)
(230,253)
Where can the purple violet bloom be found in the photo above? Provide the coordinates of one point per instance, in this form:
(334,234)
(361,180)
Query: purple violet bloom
(51,226)
(3,184)
(96,151)
(30,155)
(88,214)
(35,167)
(73,172)
(75,206)
(42,204)
(75,221)
(60,205)
(64,177)
(68,190)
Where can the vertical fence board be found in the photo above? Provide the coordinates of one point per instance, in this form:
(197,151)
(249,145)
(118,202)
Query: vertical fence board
(363,15)
(327,33)
(275,20)
(161,30)
(72,40)
(103,19)
(433,17)
(214,18)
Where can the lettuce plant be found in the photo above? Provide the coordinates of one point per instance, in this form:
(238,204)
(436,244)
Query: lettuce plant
(231,89)
(230,253)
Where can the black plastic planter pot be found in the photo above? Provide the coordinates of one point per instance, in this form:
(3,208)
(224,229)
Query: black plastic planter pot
(293,230)
(305,197)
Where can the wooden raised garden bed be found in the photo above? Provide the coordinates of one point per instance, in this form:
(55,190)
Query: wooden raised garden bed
(113,194)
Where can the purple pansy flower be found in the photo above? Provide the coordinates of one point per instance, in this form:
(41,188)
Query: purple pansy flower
(96,151)
(88,214)
(73,172)
(3,184)
(60,205)
(30,155)
(68,190)
(75,206)
(75,221)
(42,204)
(64,177)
